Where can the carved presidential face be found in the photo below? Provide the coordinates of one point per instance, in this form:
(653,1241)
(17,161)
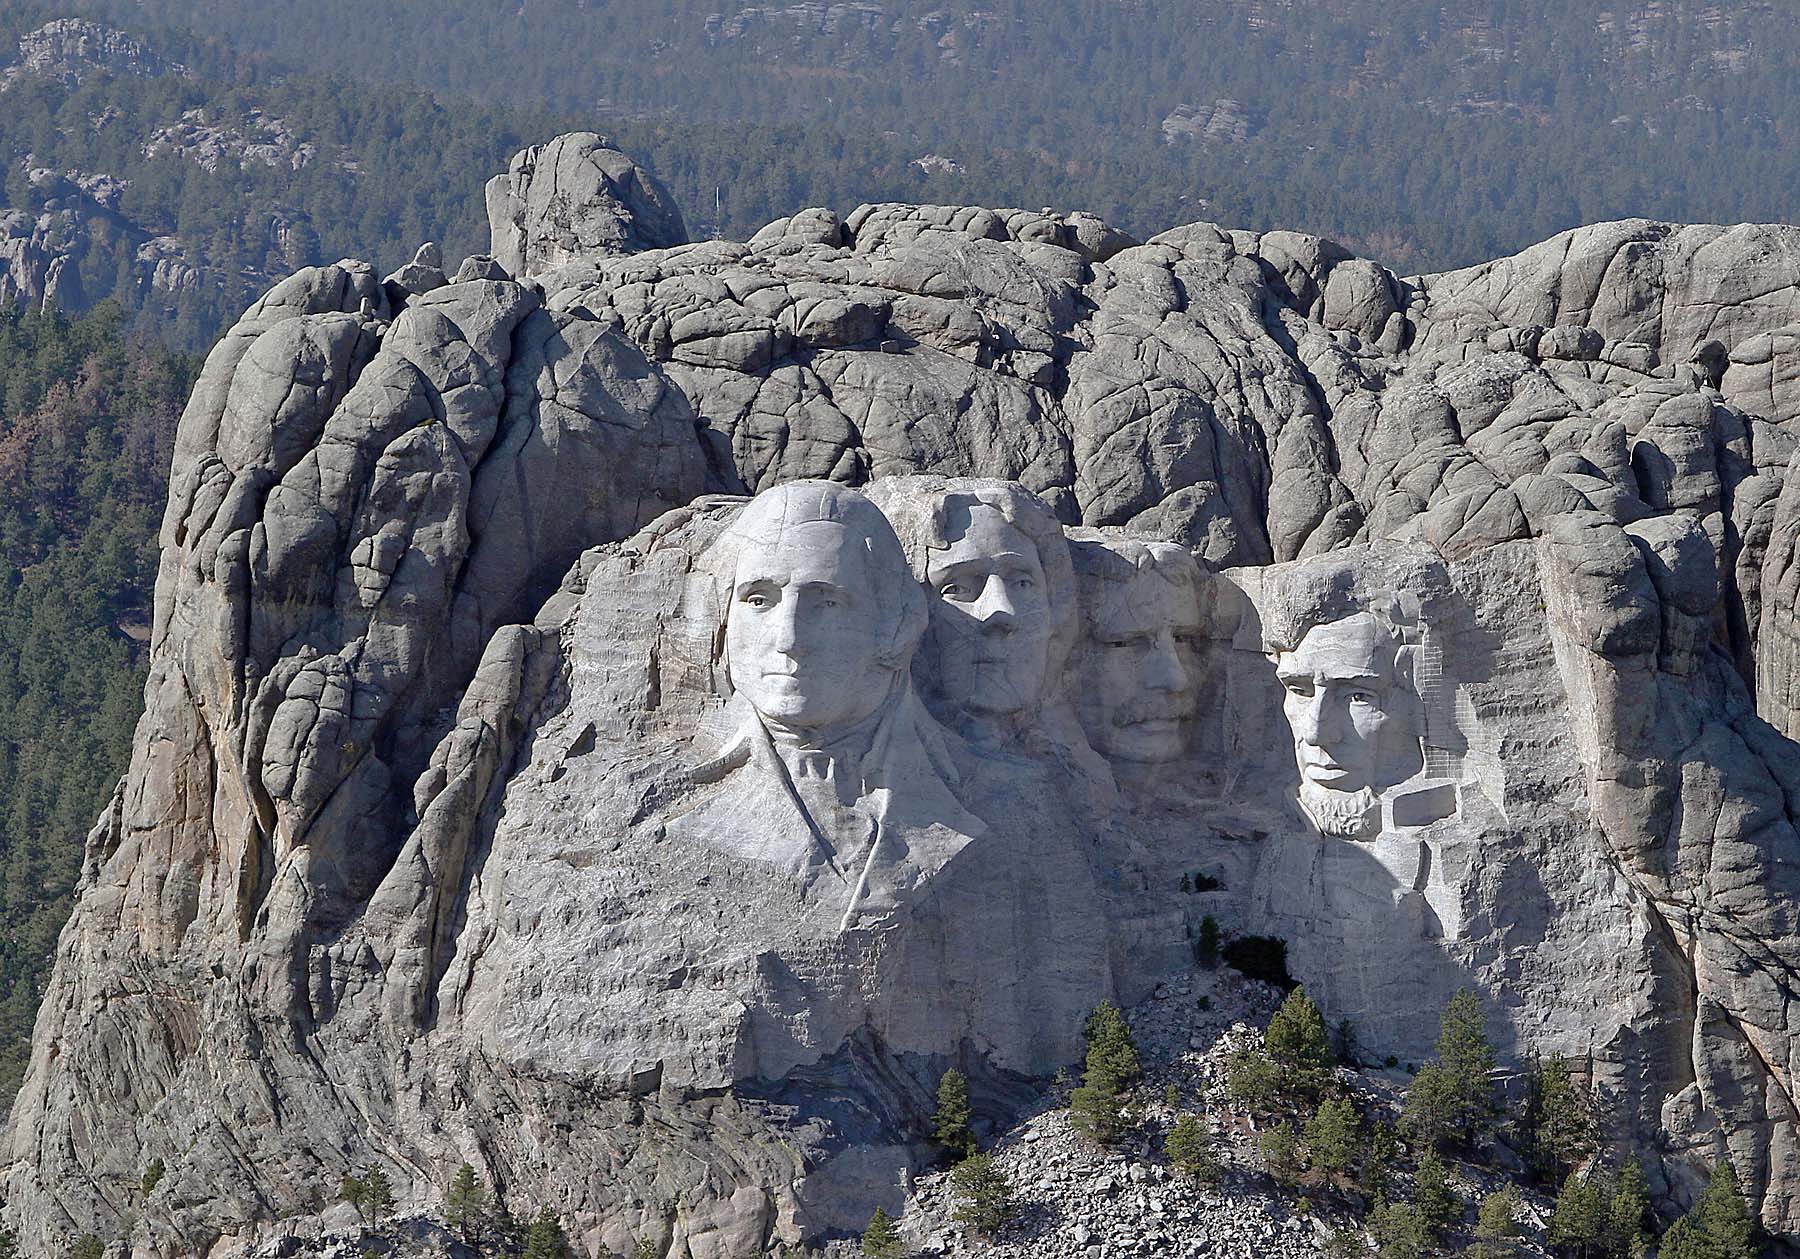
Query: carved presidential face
(1141,668)
(990,614)
(1355,728)
(805,632)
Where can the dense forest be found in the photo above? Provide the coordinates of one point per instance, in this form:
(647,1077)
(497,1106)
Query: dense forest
(1422,134)
(87,423)
(1431,134)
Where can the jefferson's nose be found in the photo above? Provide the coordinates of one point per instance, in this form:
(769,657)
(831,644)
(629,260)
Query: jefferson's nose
(995,609)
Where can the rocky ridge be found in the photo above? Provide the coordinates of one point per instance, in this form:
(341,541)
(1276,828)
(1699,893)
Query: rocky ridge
(383,882)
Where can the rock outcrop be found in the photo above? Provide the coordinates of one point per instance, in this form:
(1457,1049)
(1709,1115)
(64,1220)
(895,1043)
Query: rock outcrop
(550,761)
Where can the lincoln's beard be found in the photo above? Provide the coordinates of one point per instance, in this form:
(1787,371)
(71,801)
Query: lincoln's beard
(1340,814)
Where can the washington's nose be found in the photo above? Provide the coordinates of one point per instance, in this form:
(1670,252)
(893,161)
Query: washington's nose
(785,629)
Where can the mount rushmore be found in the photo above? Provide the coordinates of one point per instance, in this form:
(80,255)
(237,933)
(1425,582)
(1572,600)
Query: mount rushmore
(631,713)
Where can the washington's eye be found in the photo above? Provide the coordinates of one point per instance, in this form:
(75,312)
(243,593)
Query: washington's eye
(757,600)
(953,591)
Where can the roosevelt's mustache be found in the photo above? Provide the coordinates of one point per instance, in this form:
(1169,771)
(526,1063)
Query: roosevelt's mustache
(1154,708)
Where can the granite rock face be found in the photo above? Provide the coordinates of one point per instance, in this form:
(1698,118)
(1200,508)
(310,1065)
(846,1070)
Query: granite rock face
(632,728)
(576,197)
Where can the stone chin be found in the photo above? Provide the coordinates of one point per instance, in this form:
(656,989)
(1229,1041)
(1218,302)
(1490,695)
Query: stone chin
(1341,814)
(1153,742)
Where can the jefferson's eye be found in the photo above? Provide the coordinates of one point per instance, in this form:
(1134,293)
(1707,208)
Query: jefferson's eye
(758,600)
(1362,697)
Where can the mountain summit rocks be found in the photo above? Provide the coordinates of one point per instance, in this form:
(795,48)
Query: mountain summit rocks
(630,716)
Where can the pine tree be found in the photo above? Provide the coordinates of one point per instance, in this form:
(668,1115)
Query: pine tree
(546,1239)
(1626,1236)
(1190,1150)
(378,1195)
(1578,1224)
(1380,1152)
(1496,1225)
(950,1126)
(1399,1232)
(1280,1150)
(983,1195)
(1097,1107)
(1334,1136)
(881,1240)
(1438,1205)
(1300,1045)
(9,1244)
(352,1190)
(1724,1217)
(1206,948)
(1452,1097)
(87,1246)
(1252,1080)
(465,1205)
(1108,1035)
(1560,1116)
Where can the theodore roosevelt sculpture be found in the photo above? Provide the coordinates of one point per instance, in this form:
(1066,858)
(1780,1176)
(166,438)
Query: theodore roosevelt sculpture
(1140,604)
(833,770)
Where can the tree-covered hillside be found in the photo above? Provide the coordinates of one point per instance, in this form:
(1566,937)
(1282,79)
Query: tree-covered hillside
(1429,133)
(87,423)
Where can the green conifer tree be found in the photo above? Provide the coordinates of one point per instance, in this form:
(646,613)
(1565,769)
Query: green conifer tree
(1438,1205)
(1189,1150)
(1097,1107)
(1299,1044)
(1399,1232)
(1626,1235)
(378,1195)
(352,1190)
(1578,1224)
(1334,1136)
(1497,1228)
(1452,1097)
(881,1240)
(1281,1155)
(152,1176)
(1560,1118)
(1724,1217)
(950,1126)
(546,1239)
(984,1199)
(466,1205)
(87,1246)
